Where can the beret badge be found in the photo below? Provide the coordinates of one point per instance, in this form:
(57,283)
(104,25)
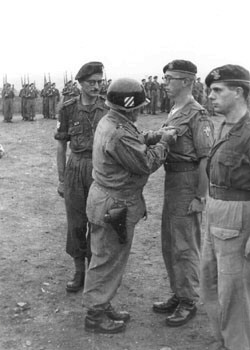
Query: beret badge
(215,74)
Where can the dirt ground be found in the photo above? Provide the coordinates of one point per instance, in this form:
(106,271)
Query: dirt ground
(36,313)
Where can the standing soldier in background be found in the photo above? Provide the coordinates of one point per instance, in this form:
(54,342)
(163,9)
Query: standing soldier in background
(22,96)
(77,122)
(7,98)
(200,91)
(44,95)
(31,96)
(67,91)
(155,89)
(148,92)
(185,190)
(53,96)
(75,91)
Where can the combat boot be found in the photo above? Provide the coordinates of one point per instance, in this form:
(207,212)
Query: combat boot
(98,322)
(117,315)
(77,283)
(182,314)
(167,307)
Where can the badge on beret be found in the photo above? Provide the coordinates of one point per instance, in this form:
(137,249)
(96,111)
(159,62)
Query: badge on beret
(170,66)
(216,74)
(207,131)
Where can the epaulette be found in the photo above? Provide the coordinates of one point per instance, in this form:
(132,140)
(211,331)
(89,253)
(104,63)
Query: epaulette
(69,102)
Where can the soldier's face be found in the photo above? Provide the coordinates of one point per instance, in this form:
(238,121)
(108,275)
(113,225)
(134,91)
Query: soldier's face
(174,83)
(92,85)
(222,97)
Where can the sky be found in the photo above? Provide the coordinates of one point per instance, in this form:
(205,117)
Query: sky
(133,38)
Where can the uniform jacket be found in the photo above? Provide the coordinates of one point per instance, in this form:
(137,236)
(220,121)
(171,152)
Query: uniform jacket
(195,133)
(77,123)
(229,159)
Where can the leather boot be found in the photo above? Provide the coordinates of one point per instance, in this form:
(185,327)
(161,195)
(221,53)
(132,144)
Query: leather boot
(117,315)
(98,322)
(77,282)
(167,307)
(182,314)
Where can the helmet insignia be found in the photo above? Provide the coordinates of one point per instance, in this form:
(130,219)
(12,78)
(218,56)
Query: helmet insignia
(129,101)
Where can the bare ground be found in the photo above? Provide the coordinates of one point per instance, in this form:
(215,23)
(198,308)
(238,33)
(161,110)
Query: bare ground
(36,313)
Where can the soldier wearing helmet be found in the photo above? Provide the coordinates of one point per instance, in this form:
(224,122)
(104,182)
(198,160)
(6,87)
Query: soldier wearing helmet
(122,163)
(77,122)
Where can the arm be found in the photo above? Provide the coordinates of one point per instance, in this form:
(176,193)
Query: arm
(61,164)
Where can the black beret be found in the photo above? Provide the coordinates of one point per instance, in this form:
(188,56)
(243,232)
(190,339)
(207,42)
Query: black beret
(228,73)
(155,77)
(89,69)
(181,66)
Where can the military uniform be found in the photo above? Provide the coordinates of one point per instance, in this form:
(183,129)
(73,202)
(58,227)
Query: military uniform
(7,98)
(225,268)
(22,95)
(77,124)
(53,97)
(31,95)
(44,95)
(122,163)
(181,233)
(154,92)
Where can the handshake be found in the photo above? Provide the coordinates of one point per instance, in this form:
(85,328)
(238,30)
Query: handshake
(168,134)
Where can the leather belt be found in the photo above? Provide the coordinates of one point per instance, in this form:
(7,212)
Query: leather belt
(228,194)
(181,166)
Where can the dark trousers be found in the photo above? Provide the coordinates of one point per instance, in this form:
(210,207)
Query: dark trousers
(78,178)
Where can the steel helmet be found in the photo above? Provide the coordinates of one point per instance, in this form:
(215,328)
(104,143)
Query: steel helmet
(126,94)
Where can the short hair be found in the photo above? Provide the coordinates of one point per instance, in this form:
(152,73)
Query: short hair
(234,84)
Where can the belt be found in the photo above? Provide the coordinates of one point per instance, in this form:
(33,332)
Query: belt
(84,154)
(228,194)
(120,193)
(181,166)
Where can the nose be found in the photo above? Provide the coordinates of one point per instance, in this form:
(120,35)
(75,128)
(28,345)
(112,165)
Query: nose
(211,95)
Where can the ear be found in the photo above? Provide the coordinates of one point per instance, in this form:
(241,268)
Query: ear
(239,92)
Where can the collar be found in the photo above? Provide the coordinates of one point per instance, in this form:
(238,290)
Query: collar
(237,128)
(120,118)
(99,104)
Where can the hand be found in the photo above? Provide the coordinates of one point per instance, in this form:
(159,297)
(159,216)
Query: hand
(196,206)
(247,249)
(169,136)
(60,189)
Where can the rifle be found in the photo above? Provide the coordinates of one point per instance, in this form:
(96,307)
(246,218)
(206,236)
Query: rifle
(116,217)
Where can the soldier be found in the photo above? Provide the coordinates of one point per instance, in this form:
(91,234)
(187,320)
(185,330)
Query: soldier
(22,95)
(225,265)
(155,89)
(31,95)
(67,90)
(148,92)
(77,122)
(75,91)
(123,159)
(53,96)
(44,95)
(7,98)
(185,191)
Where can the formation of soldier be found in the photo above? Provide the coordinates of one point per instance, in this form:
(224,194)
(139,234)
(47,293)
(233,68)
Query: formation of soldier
(51,96)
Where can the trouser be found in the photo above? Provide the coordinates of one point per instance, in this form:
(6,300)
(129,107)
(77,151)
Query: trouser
(181,234)
(52,107)
(109,256)
(30,108)
(22,107)
(78,178)
(8,108)
(225,272)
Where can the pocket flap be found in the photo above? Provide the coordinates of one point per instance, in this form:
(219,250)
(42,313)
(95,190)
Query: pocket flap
(224,233)
(75,130)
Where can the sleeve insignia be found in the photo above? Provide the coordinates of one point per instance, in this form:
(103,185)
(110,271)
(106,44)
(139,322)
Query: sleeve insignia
(58,124)
(207,131)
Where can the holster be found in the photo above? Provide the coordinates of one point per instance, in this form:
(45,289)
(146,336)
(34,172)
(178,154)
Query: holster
(116,217)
